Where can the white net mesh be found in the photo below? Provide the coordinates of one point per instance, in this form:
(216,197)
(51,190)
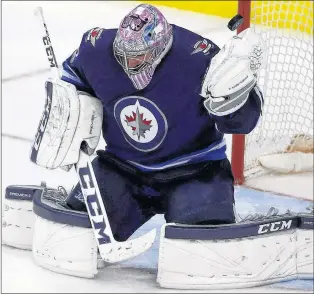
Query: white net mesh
(287,80)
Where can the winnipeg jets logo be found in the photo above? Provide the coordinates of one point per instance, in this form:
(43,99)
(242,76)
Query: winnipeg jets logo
(142,123)
(138,124)
(94,35)
(201,46)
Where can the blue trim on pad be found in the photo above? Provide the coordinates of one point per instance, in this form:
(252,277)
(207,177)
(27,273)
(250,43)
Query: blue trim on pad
(59,215)
(232,231)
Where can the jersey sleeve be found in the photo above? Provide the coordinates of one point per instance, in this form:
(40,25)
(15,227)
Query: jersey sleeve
(244,120)
(72,68)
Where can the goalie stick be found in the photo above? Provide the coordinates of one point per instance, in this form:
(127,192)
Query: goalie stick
(110,250)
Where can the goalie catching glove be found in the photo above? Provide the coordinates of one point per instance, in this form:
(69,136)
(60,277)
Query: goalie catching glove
(232,73)
(70,119)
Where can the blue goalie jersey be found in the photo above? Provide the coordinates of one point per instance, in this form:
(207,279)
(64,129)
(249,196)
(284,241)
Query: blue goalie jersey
(165,124)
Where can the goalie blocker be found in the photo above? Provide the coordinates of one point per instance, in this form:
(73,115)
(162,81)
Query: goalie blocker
(71,120)
(240,255)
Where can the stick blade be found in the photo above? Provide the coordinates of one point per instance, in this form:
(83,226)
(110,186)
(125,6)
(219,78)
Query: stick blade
(120,251)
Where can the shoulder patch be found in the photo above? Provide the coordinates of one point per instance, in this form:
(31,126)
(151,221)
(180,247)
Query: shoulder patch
(202,46)
(93,35)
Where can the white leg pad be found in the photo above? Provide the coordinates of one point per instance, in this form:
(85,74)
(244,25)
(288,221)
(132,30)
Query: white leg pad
(18,223)
(235,263)
(65,249)
(305,256)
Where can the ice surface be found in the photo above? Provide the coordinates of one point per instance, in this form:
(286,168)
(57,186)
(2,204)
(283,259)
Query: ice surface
(22,103)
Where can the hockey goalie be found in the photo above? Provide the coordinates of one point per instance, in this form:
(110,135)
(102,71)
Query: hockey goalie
(163,97)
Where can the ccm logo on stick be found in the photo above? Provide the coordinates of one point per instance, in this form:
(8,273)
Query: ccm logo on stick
(275,226)
(49,49)
(93,204)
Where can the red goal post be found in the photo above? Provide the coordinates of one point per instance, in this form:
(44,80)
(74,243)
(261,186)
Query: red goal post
(238,141)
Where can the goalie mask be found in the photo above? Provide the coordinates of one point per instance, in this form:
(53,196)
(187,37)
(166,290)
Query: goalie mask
(143,39)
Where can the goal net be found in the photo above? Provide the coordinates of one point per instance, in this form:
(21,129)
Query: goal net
(282,142)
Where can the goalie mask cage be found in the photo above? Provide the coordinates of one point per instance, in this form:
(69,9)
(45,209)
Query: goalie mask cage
(286,81)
